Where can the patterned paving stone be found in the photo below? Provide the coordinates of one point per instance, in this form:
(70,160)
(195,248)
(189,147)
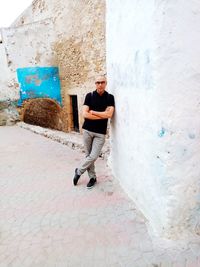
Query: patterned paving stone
(47,222)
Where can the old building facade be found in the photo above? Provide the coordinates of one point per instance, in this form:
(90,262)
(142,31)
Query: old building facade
(69,35)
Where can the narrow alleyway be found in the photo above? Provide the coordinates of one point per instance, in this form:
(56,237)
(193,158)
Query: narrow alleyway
(47,222)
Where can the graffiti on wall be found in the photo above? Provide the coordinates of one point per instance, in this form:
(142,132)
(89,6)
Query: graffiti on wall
(39,82)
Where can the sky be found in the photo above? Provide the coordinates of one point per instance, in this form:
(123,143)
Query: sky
(10,10)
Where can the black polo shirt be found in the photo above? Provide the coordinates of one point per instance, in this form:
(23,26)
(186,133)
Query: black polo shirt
(98,102)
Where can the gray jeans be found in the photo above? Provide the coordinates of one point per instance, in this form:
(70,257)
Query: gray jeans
(93,143)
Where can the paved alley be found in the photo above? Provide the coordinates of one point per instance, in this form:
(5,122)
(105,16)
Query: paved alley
(47,222)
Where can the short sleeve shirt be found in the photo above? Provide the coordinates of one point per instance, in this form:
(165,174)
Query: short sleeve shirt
(98,102)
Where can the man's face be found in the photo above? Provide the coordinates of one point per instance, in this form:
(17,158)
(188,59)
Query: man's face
(100,84)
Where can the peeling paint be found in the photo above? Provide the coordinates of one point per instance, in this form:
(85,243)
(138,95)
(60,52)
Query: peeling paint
(161,133)
(33,85)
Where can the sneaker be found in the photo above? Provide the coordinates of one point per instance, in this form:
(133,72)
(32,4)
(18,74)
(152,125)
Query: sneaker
(91,183)
(76,177)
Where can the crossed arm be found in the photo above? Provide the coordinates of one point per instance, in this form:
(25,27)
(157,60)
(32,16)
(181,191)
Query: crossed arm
(97,115)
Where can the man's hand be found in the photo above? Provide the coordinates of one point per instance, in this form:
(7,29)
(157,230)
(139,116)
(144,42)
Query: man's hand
(107,114)
(87,114)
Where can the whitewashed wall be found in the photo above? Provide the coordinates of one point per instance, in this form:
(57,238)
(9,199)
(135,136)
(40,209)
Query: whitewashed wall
(26,46)
(5,92)
(29,45)
(153,65)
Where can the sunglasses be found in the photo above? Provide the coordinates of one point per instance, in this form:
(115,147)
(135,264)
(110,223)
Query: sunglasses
(103,82)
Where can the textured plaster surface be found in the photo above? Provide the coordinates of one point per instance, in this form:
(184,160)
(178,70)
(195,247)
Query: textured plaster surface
(153,71)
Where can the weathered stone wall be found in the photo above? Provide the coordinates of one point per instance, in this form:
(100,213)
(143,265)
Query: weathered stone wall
(67,34)
(153,69)
(6,91)
(8,96)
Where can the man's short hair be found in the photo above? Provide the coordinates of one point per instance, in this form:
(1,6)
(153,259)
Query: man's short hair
(100,76)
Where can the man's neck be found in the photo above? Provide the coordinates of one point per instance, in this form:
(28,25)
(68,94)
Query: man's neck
(100,92)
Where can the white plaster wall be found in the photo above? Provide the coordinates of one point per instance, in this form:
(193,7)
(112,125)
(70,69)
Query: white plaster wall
(3,62)
(26,46)
(5,92)
(69,17)
(29,45)
(3,72)
(153,63)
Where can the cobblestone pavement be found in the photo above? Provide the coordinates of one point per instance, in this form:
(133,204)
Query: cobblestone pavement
(47,222)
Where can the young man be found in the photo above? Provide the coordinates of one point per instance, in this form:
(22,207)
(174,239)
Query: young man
(97,109)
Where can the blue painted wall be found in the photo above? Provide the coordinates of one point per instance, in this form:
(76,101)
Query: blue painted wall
(39,82)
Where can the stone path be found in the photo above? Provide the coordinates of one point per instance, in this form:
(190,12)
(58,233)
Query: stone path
(47,222)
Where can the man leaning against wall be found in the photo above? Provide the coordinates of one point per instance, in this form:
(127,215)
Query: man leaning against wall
(98,107)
